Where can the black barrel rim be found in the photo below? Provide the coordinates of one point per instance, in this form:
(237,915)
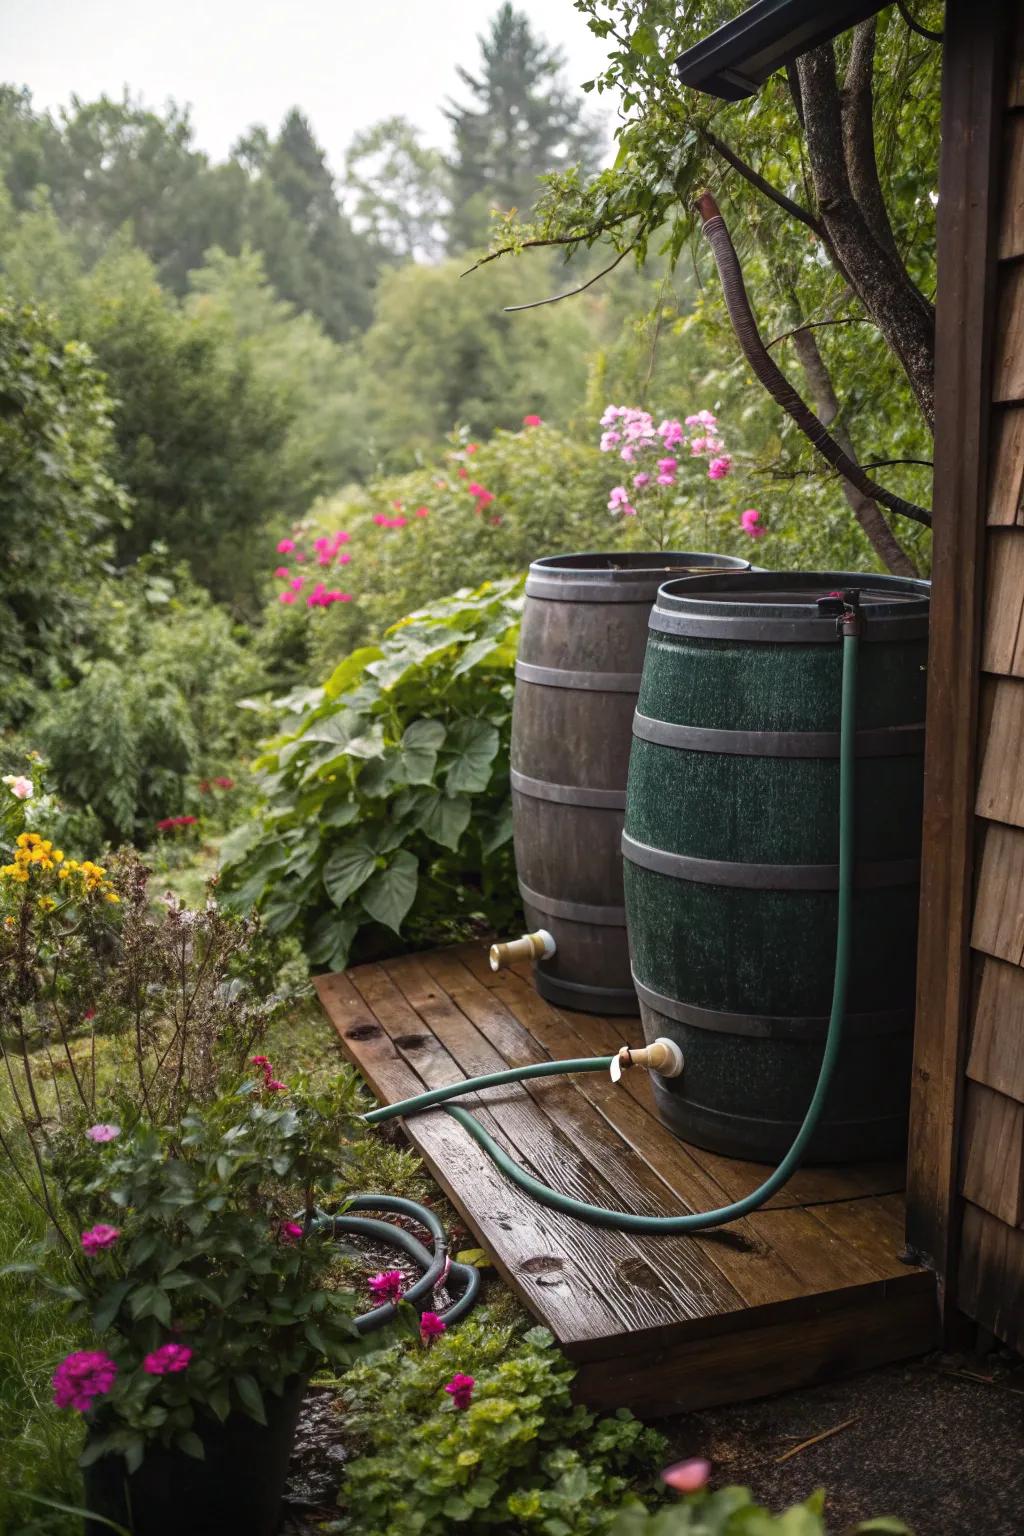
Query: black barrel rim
(608,576)
(783,606)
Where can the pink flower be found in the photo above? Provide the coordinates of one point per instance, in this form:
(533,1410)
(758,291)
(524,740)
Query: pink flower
(666,479)
(618,500)
(641,480)
(285,546)
(82,1376)
(397,522)
(612,414)
(474,489)
(609,440)
(688,1476)
(628,453)
(387,1286)
(719,468)
(282,573)
(90,1013)
(671,433)
(20,786)
(431,1326)
(275,1085)
(702,419)
(462,473)
(342,538)
(289,1231)
(397,505)
(698,445)
(381,519)
(103,1132)
(471,447)
(297,583)
(422,511)
(167,1360)
(667,466)
(260,1061)
(460,1389)
(346,557)
(99,1237)
(299,556)
(286,597)
(713,444)
(222,782)
(531,421)
(749,522)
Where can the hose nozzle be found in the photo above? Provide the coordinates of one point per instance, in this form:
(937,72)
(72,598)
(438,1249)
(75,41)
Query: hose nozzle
(662,1056)
(532,946)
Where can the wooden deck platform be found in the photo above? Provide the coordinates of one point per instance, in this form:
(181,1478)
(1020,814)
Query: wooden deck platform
(811,1286)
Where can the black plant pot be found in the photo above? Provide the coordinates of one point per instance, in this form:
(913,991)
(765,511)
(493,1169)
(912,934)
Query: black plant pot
(235,1491)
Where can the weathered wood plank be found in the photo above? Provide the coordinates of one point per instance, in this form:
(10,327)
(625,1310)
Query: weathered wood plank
(973,95)
(997,1029)
(1015,84)
(993,1153)
(569,1146)
(1011,216)
(873,1229)
(1000,794)
(992,1274)
(639,1293)
(1006,480)
(998,927)
(757,1271)
(1003,633)
(732,1367)
(1008,370)
(514,1230)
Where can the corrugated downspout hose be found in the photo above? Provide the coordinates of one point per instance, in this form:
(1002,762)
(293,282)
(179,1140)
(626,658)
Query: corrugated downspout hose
(697,1221)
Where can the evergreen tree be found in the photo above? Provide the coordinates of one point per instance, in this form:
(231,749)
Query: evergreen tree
(522,121)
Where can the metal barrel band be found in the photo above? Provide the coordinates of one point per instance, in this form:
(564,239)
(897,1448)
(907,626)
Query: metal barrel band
(568,794)
(888,1021)
(883,741)
(767,877)
(574,911)
(805,631)
(589,682)
(555,591)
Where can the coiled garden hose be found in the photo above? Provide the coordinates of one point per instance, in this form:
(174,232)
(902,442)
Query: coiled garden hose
(697,1221)
(436,1268)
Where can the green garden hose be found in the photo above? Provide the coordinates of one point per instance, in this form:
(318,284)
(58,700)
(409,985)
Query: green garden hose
(696,1221)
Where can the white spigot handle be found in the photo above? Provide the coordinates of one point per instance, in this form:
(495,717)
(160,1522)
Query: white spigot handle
(532,946)
(662,1056)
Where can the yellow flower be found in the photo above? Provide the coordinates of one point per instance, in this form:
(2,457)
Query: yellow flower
(46,903)
(58,856)
(62,874)
(9,922)
(113,896)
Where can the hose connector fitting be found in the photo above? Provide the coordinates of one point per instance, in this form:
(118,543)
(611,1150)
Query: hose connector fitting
(532,946)
(662,1056)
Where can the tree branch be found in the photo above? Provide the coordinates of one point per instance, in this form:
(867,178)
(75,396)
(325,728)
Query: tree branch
(859,135)
(748,173)
(774,381)
(584,236)
(813,325)
(877,277)
(570,293)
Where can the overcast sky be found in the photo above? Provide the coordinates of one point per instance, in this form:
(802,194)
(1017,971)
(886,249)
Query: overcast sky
(345,63)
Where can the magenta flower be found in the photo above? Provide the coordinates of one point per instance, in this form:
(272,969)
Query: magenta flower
(103,1132)
(618,501)
(289,1231)
(422,511)
(275,1085)
(297,583)
(671,433)
(381,519)
(460,1389)
(282,573)
(99,1237)
(688,1476)
(82,1376)
(666,479)
(167,1360)
(285,546)
(750,523)
(719,468)
(387,1286)
(286,597)
(260,1061)
(531,421)
(431,1326)
(666,466)
(641,480)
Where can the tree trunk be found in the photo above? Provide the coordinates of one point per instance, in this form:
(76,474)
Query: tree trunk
(867,512)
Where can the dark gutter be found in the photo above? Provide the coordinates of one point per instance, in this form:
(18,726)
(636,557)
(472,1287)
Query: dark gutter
(740,56)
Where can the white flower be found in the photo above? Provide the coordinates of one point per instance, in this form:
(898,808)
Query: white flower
(20,787)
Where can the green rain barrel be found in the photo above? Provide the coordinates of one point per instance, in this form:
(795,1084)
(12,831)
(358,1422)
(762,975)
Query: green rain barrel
(581,651)
(730,854)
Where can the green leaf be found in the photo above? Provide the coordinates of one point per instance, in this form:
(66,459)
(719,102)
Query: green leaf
(251,1398)
(339,814)
(420,744)
(109,1304)
(151,1301)
(473,745)
(73,1509)
(218,1400)
(351,670)
(189,1442)
(391,892)
(477,1257)
(348,867)
(443,818)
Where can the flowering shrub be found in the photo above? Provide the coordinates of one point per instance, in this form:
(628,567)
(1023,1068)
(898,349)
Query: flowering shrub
(658,458)
(501,1449)
(387,808)
(327,552)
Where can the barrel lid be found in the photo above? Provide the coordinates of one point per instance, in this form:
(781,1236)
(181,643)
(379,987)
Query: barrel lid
(783,606)
(621,576)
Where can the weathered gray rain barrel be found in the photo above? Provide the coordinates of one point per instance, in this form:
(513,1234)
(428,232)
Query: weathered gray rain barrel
(731,848)
(580,656)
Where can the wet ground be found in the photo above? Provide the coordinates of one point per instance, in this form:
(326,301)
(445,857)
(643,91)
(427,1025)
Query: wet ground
(939,1444)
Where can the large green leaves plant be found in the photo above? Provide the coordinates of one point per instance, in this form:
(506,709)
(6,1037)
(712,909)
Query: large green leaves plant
(386,819)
